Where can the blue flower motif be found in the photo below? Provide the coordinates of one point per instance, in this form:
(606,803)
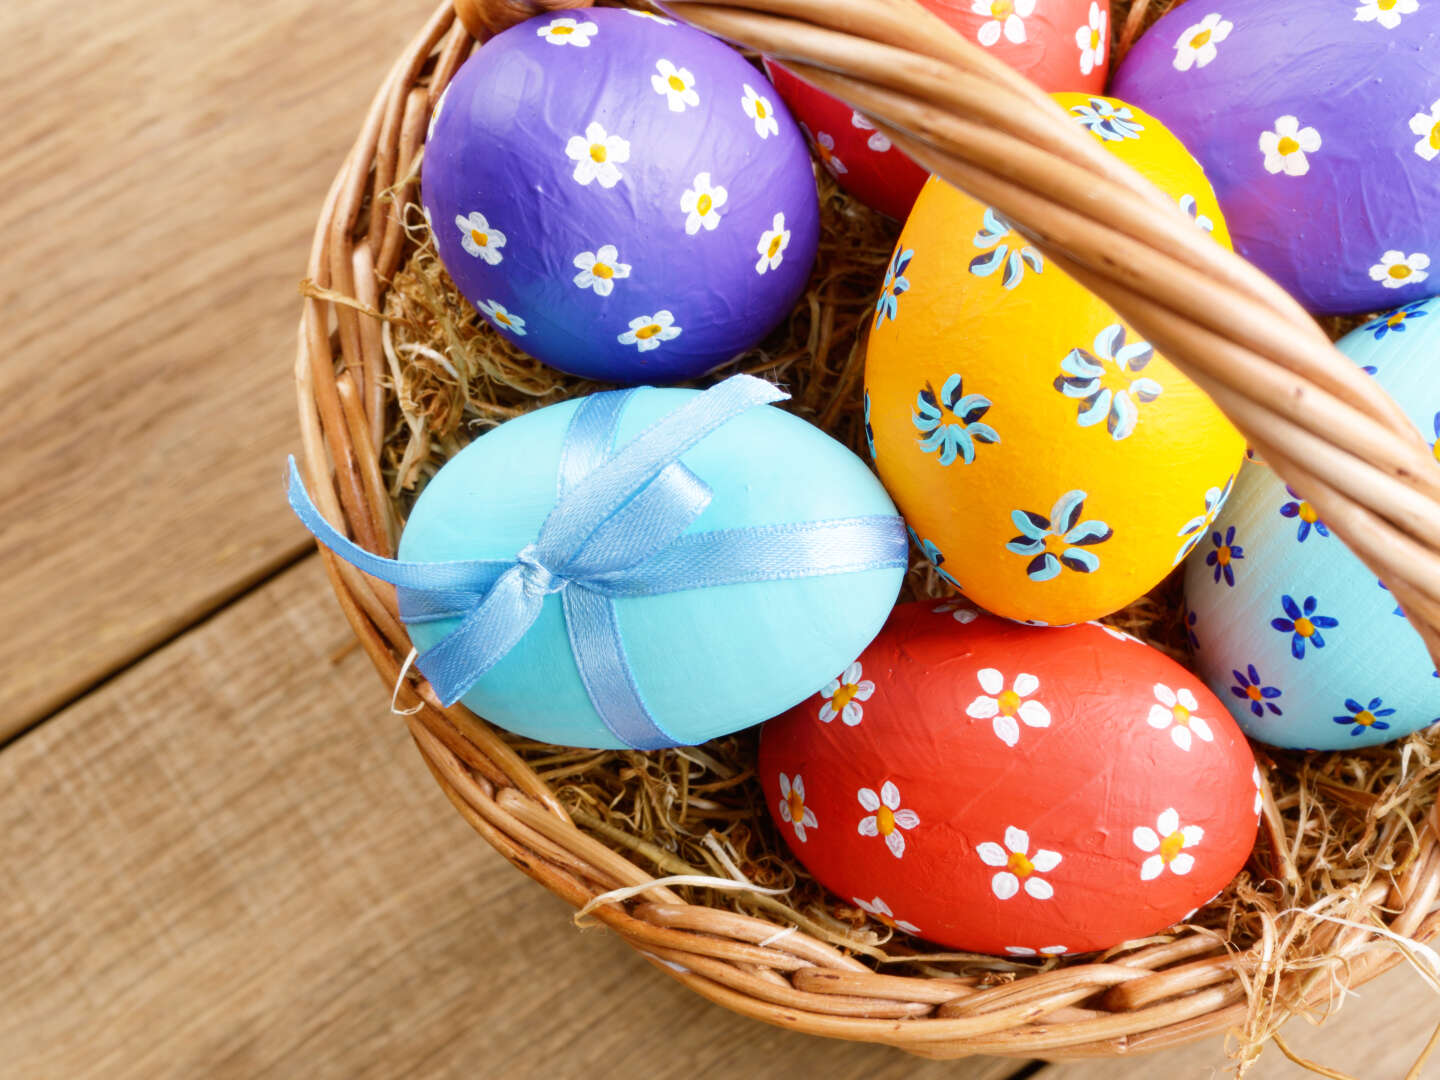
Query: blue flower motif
(1249,686)
(1224,556)
(1303,625)
(1191,618)
(937,559)
(956,435)
(869,431)
(1394,323)
(1059,540)
(1364,717)
(1191,207)
(1109,382)
(895,284)
(1194,529)
(1299,508)
(1108,122)
(1014,258)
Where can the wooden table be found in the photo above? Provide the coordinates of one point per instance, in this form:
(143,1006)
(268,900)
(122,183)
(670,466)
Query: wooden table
(219,854)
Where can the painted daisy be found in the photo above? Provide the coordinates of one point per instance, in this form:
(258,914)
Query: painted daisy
(772,244)
(1301,510)
(1225,555)
(479,238)
(1092,38)
(1060,540)
(701,204)
(675,85)
(1047,950)
(1019,865)
(1386,12)
(880,911)
(877,140)
(661,19)
(1108,382)
(505,320)
(887,817)
(1191,207)
(1196,47)
(1107,122)
(597,156)
(1395,322)
(825,148)
(759,109)
(1007,706)
(1001,254)
(648,331)
(1285,147)
(1175,710)
(1194,529)
(843,696)
(600,269)
(567,31)
(951,421)
(959,612)
(793,808)
(1005,17)
(1427,126)
(894,286)
(1251,688)
(1168,841)
(1303,624)
(1397,270)
(1363,718)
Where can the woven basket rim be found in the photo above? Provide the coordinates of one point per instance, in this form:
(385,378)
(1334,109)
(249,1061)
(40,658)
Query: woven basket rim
(1147,999)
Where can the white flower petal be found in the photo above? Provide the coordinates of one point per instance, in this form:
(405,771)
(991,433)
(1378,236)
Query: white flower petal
(896,843)
(808,819)
(800,831)
(906,819)
(890,795)
(798,785)
(852,714)
(1159,717)
(992,854)
(1182,863)
(1004,885)
(784,785)
(1152,868)
(982,708)
(1045,860)
(1168,822)
(868,827)
(1181,736)
(1192,835)
(868,799)
(852,674)
(784,809)
(991,681)
(1145,838)
(1006,730)
(1017,840)
(864,690)
(1187,699)
(1026,684)
(1039,888)
(1165,695)
(1034,714)
(1201,729)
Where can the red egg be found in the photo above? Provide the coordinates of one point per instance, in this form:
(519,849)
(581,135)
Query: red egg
(1058,44)
(1003,789)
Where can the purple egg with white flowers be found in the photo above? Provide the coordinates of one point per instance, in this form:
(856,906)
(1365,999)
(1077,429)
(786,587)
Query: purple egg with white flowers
(1319,125)
(623,197)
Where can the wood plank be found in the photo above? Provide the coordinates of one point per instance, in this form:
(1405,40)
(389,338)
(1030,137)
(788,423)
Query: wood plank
(1378,1034)
(229,861)
(163,164)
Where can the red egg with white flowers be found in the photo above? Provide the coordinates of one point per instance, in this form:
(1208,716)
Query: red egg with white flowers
(1057,44)
(1011,790)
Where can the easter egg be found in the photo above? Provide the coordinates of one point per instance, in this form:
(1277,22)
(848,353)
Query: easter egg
(618,195)
(1319,125)
(1001,789)
(1293,632)
(1052,465)
(708,659)
(1058,44)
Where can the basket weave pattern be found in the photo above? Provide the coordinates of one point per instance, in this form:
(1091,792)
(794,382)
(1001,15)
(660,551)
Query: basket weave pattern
(1329,430)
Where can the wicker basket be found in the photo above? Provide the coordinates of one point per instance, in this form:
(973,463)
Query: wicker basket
(1326,429)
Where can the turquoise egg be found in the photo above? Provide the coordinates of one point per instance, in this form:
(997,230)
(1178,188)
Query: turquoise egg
(707,661)
(1293,632)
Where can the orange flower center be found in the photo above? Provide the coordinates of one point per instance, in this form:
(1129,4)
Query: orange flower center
(647,332)
(1365,717)
(1307,513)
(703,205)
(797,805)
(1304,627)
(1398,318)
(1009,702)
(774,245)
(1020,864)
(1200,39)
(1253,693)
(1223,556)
(1171,845)
(1288,146)
(676,83)
(843,696)
(480,238)
(500,316)
(600,270)
(1400,271)
(885,820)
(597,153)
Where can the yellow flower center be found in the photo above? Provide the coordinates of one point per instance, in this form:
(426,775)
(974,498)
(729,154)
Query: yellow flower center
(501,317)
(1020,864)
(1307,513)
(760,112)
(1400,271)
(1002,9)
(1094,39)
(1181,715)
(1288,146)
(797,805)
(1435,136)
(1253,693)
(1202,38)
(480,238)
(1386,5)
(844,695)
(676,83)
(1365,717)
(1171,845)
(1304,627)
(597,152)
(1396,319)
(774,248)
(557,30)
(886,919)
(600,270)
(885,820)
(1436,449)
(703,205)
(647,332)
(1009,702)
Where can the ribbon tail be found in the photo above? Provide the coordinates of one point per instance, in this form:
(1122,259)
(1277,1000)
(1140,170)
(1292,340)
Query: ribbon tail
(605,671)
(483,638)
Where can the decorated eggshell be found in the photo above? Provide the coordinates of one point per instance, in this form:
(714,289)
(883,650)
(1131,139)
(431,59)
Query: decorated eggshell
(707,661)
(619,195)
(1001,789)
(1050,463)
(1058,44)
(1289,628)
(1319,125)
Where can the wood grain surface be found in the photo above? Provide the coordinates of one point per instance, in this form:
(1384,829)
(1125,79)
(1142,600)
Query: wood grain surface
(163,163)
(227,860)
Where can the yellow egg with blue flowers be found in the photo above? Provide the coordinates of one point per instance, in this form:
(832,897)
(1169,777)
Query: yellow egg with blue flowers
(1049,462)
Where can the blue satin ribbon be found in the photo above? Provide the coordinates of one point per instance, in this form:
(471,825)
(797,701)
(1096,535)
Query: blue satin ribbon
(616,530)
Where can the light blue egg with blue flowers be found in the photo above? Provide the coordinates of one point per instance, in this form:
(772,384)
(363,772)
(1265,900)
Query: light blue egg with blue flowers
(1290,629)
(708,661)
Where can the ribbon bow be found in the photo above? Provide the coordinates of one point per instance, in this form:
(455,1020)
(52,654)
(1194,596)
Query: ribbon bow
(616,530)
